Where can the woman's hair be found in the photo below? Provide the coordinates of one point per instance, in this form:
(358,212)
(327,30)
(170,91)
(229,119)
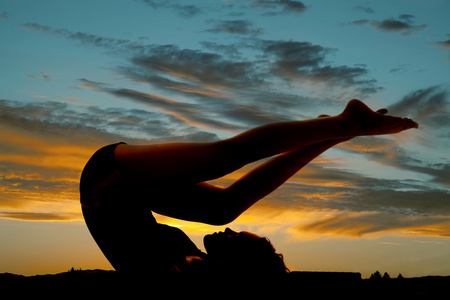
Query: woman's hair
(264,259)
(257,258)
(250,258)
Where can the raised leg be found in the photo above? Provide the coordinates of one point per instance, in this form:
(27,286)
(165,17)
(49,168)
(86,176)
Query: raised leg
(191,163)
(218,206)
(213,205)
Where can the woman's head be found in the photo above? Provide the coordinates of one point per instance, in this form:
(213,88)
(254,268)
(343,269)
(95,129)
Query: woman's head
(244,252)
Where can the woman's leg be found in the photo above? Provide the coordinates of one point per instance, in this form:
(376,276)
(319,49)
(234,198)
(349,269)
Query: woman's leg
(213,205)
(266,178)
(191,163)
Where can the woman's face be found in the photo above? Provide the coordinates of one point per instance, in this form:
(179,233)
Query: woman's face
(229,244)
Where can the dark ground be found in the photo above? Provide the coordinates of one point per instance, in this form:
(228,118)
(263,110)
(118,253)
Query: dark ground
(296,285)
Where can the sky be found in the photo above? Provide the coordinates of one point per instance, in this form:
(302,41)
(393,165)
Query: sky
(78,75)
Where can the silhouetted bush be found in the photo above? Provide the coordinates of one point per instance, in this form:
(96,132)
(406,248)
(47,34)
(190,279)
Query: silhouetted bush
(376,276)
(75,270)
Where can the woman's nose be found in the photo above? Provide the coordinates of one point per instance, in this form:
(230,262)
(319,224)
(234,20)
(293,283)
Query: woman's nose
(229,231)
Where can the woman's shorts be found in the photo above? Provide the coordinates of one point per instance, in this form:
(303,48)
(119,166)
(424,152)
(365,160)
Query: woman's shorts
(100,179)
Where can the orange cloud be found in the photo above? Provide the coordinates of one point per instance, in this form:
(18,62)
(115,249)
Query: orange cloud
(357,224)
(368,144)
(201,92)
(42,151)
(40,176)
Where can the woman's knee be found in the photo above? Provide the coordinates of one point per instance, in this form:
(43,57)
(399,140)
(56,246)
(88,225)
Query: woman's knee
(224,216)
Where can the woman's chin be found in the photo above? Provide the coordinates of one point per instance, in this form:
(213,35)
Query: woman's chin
(207,241)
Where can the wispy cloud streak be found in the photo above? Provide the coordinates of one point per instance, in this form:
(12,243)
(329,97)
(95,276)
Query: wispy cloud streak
(287,61)
(403,25)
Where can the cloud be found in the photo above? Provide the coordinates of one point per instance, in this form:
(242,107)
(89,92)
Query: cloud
(185,11)
(209,116)
(346,203)
(279,6)
(42,76)
(4,16)
(26,184)
(444,45)
(357,225)
(218,93)
(45,146)
(388,153)
(288,61)
(403,25)
(197,66)
(191,114)
(283,62)
(429,106)
(402,68)
(243,27)
(232,50)
(364,9)
(91,84)
(85,38)
(342,189)
(188,11)
(92,125)
(306,61)
(31,216)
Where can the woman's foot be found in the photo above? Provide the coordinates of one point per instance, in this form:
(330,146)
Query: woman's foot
(369,122)
(382,111)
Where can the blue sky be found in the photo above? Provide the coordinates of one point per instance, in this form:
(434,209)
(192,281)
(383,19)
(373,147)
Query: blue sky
(76,75)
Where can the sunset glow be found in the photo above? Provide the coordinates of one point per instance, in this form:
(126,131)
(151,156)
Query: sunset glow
(78,75)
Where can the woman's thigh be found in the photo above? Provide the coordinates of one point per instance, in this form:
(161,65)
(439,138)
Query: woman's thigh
(183,163)
(203,202)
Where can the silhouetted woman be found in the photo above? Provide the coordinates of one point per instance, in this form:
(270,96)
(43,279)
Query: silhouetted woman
(122,184)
